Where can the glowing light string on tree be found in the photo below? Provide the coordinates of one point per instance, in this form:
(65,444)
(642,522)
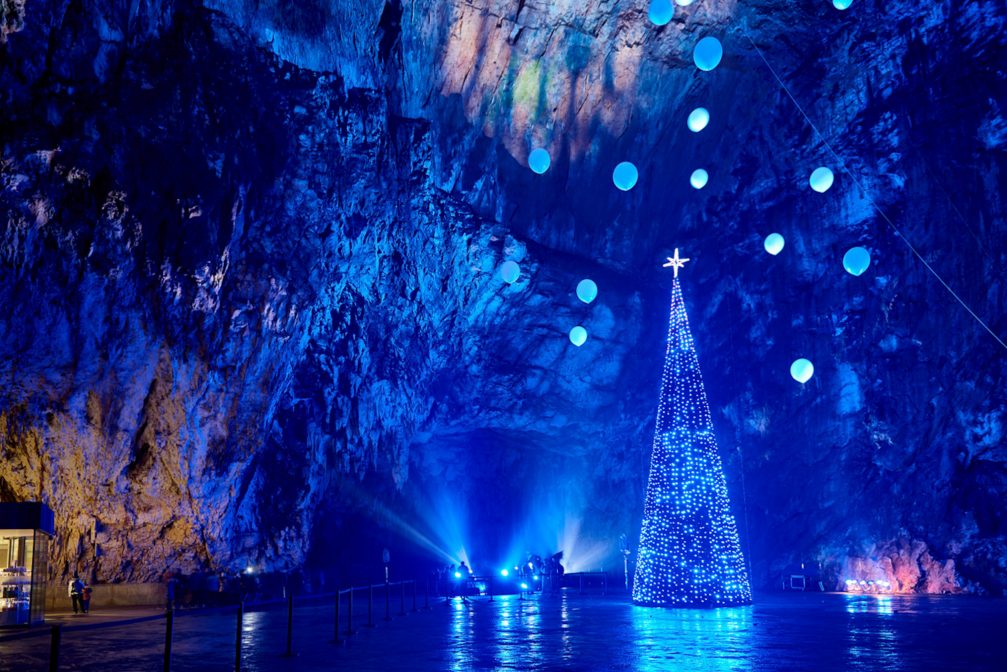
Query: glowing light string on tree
(689,553)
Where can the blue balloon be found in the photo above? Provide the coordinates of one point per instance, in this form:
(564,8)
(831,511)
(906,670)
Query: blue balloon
(842,4)
(802,370)
(539,160)
(774,243)
(578,336)
(625,176)
(587,290)
(821,179)
(660,12)
(708,53)
(699,178)
(698,119)
(856,260)
(510,272)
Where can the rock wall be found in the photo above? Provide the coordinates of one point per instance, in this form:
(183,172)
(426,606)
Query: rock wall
(249,263)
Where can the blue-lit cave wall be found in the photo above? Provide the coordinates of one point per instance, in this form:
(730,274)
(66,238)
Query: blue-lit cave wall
(252,311)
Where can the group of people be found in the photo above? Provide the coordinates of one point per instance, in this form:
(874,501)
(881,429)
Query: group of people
(80,595)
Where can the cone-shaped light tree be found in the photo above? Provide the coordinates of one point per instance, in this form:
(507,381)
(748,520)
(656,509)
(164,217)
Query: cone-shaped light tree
(689,552)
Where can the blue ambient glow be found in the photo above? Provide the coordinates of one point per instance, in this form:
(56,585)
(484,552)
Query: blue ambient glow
(821,179)
(842,4)
(856,260)
(587,290)
(578,336)
(689,551)
(510,272)
(774,243)
(699,178)
(660,12)
(708,53)
(625,176)
(698,119)
(802,370)
(539,160)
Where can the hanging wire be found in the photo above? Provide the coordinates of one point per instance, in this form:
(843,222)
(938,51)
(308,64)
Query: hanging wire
(867,195)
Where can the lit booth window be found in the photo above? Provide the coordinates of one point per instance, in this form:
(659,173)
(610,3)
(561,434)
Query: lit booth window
(25,530)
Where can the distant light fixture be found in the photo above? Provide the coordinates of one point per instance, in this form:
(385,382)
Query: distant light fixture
(802,370)
(841,4)
(587,290)
(699,178)
(774,243)
(698,119)
(510,271)
(249,570)
(683,3)
(625,176)
(578,336)
(708,53)
(539,160)
(458,575)
(821,179)
(660,12)
(504,572)
(535,577)
(856,260)
(524,586)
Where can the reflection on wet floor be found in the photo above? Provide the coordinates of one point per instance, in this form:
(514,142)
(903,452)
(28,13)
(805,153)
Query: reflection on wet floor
(569,632)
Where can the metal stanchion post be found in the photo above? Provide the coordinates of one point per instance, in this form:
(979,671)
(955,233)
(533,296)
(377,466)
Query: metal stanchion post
(370,606)
(349,616)
(388,601)
(489,587)
(290,624)
(169,619)
(338,600)
(57,635)
(414,596)
(402,598)
(237,636)
(426,594)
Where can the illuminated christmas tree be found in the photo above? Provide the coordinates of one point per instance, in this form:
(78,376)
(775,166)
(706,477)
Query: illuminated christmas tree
(689,551)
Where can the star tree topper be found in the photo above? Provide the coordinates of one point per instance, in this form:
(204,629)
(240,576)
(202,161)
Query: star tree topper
(675,262)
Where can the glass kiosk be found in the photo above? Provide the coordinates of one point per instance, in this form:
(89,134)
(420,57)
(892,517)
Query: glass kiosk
(25,530)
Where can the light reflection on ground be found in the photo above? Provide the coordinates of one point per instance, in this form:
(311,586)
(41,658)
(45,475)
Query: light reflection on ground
(568,632)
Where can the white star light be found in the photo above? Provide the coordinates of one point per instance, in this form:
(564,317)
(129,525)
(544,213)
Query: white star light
(675,262)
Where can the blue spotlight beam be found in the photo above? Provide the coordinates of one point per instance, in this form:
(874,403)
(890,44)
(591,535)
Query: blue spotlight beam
(689,551)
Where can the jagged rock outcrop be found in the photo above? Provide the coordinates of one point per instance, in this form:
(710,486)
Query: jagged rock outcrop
(249,257)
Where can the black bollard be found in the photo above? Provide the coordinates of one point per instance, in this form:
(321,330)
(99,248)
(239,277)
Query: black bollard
(349,616)
(426,594)
(489,587)
(388,601)
(57,635)
(290,624)
(370,606)
(169,620)
(336,634)
(237,636)
(402,598)
(414,596)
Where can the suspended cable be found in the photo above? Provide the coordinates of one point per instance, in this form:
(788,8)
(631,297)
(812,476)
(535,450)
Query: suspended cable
(867,195)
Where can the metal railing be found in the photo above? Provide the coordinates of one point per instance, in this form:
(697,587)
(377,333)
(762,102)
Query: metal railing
(56,631)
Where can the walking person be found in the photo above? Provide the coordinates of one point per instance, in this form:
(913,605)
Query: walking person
(85,598)
(76,590)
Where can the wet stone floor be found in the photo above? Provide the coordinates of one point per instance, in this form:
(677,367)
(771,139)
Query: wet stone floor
(562,632)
